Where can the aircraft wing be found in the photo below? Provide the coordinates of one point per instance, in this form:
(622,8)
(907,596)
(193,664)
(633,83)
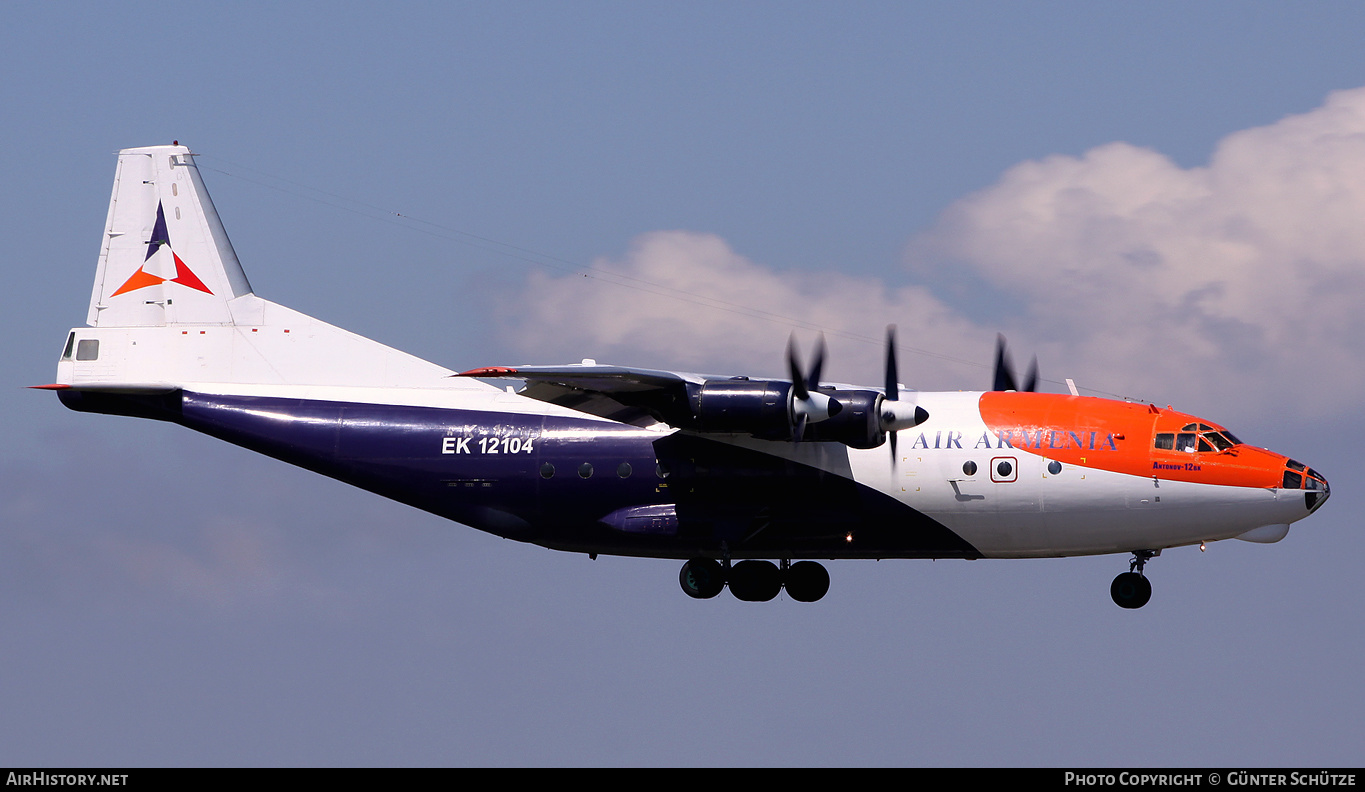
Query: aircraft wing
(799,409)
(641,397)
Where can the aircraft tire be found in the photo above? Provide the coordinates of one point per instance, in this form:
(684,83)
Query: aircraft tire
(806,581)
(702,578)
(1130,590)
(755,581)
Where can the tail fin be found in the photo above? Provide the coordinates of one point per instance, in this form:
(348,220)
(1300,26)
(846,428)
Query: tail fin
(172,308)
(165,259)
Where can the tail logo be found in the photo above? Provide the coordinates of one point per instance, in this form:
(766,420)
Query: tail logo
(142,278)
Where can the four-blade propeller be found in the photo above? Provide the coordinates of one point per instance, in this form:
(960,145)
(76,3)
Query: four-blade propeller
(807,404)
(1004,371)
(895,414)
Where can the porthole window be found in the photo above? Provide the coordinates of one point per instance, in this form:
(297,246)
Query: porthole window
(623,470)
(585,470)
(547,471)
(662,471)
(1054,467)
(969,468)
(1003,469)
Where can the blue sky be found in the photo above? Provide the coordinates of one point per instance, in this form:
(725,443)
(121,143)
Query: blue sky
(1159,199)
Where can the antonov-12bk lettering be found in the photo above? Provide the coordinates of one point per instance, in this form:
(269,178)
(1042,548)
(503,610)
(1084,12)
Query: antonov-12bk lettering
(750,482)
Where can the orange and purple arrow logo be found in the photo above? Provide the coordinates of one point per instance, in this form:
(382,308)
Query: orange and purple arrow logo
(142,278)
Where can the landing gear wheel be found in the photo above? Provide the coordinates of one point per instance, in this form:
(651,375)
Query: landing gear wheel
(755,581)
(702,578)
(1130,590)
(806,581)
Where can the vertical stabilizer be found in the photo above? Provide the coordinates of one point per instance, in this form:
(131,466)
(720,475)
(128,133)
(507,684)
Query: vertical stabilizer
(165,259)
(172,308)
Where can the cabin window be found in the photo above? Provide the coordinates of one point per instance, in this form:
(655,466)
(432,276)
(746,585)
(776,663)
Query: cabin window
(585,470)
(88,349)
(623,470)
(969,468)
(547,471)
(1054,467)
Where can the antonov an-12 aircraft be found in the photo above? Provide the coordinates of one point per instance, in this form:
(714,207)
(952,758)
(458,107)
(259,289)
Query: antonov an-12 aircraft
(750,482)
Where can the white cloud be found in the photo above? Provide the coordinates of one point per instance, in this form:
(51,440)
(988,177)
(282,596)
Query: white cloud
(1240,280)
(686,300)
(1233,286)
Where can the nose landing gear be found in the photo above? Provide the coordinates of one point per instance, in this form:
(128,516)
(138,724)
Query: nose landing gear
(754,581)
(1132,589)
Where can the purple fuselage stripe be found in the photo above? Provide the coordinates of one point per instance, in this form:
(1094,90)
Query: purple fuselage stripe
(493,471)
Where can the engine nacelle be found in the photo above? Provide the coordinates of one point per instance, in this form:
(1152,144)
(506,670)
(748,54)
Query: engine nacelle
(856,425)
(761,408)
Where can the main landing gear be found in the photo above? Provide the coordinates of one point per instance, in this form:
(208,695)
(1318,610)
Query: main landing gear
(754,581)
(1132,589)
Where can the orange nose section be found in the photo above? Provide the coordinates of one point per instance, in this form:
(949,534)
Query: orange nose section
(1140,440)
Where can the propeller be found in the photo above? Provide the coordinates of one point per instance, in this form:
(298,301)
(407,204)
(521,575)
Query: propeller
(895,414)
(1004,370)
(807,404)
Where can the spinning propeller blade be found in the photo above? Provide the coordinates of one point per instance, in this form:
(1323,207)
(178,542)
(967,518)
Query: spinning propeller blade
(1004,371)
(808,405)
(896,415)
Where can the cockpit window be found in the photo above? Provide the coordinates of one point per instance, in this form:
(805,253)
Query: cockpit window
(1195,437)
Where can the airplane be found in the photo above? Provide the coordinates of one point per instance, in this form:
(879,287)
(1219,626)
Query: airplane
(750,482)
